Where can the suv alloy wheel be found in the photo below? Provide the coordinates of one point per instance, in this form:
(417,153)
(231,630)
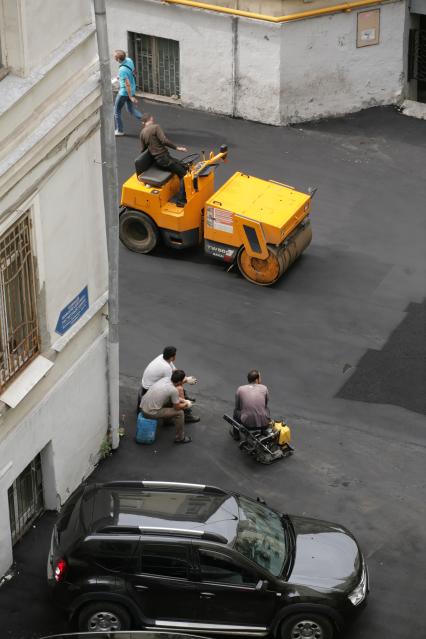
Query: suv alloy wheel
(103,616)
(306,626)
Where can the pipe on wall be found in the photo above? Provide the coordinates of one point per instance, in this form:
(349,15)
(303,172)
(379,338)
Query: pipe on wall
(302,15)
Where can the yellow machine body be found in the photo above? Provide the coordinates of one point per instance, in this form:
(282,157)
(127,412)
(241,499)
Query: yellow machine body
(261,225)
(272,209)
(284,433)
(155,202)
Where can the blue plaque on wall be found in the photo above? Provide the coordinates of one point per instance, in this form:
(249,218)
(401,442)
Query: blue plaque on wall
(73,311)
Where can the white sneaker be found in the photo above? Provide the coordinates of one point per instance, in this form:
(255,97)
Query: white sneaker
(118,133)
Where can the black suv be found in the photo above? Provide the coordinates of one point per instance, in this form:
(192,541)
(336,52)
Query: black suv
(121,634)
(186,557)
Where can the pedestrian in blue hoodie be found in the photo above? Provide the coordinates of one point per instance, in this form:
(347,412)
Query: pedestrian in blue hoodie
(126,92)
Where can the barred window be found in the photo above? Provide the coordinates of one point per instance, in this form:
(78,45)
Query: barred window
(19,338)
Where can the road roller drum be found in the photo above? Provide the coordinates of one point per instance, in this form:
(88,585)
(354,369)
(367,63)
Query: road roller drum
(268,271)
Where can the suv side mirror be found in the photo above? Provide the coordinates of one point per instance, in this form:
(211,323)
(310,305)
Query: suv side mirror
(262,584)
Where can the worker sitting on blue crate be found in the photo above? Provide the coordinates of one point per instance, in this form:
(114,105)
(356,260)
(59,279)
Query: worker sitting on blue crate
(162,400)
(163,366)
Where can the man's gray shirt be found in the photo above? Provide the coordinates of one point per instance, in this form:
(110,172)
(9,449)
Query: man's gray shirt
(162,393)
(251,404)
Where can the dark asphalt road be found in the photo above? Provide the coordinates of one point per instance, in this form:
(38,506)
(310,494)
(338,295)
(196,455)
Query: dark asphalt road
(347,312)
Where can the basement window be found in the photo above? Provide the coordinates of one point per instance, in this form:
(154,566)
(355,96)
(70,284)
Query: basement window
(25,499)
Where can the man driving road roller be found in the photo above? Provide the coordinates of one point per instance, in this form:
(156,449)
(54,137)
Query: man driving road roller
(154,139)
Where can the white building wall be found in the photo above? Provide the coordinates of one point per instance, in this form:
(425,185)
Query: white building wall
(73,232)
(47,14)
(323,73)
(70,419)
(50,165)
(205,42)
(258,71)
(277,74)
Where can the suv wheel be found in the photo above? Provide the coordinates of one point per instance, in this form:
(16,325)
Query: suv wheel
(103,616)
(306,626)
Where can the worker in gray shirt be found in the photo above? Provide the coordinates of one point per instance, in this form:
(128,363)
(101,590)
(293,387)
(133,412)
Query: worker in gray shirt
(251,403)
(162,400)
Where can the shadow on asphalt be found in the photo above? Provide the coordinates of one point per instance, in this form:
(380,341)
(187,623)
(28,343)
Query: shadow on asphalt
(378,375)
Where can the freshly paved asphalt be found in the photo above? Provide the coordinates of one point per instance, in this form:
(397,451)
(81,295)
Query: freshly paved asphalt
(337,341)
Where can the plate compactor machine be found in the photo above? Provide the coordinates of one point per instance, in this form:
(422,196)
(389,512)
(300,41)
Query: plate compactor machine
(260,225)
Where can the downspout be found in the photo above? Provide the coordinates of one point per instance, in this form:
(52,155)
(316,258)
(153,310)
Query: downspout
(235,78)
(110,184)
(302,15)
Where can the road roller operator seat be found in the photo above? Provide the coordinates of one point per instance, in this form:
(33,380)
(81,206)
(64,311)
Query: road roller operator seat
(148,172)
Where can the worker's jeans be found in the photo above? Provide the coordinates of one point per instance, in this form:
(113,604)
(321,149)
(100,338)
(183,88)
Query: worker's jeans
(120,102)
(170,413)
(168,163)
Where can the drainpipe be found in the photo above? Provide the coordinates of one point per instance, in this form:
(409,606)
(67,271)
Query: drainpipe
(235,78)
(302,15)
(110,188)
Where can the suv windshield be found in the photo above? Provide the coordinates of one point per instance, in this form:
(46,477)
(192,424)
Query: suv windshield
(260,536)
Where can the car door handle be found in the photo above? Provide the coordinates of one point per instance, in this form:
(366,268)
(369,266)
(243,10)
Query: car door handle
(207,595)
(140,587)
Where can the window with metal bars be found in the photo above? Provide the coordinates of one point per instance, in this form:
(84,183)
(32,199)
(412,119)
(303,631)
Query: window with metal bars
(19,335)
(417,55)
(25,497)
(156,64)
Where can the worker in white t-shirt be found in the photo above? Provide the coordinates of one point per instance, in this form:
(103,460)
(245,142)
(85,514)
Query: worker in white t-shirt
(163,366)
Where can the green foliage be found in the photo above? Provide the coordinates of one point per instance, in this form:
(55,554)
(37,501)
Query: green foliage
(105,449)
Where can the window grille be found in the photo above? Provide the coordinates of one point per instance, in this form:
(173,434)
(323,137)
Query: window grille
(156,64)
(417,55)
(25,499)
(19,337)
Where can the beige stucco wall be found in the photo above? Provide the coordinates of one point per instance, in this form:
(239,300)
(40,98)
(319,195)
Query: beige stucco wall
(51,166)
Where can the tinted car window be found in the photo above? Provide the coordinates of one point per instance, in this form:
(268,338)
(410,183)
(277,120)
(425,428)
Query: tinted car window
(219,568)
(260,536)
(165,560)
(112,554)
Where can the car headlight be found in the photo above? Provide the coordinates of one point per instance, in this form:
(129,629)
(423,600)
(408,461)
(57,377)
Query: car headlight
(359,593)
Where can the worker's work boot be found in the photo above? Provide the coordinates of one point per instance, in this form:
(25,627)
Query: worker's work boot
(191,418)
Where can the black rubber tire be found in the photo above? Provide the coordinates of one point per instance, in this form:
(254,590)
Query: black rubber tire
(116,611)
(289,630)
(138,232)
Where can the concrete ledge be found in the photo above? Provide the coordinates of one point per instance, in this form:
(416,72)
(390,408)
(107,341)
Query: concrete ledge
(14,87)
(26,381)
(55,118)
(414,109)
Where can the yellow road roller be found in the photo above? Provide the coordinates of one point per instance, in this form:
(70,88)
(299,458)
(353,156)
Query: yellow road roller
(261,226)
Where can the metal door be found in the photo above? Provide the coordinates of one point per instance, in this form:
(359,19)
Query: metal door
(157,64)
(417,61)
(25,499)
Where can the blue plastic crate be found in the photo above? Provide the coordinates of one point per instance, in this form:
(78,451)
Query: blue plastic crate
(146,430)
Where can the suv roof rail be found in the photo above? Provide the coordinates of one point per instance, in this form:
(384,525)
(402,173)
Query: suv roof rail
(165,485)
(121,530)
(183,532)
(163,530)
